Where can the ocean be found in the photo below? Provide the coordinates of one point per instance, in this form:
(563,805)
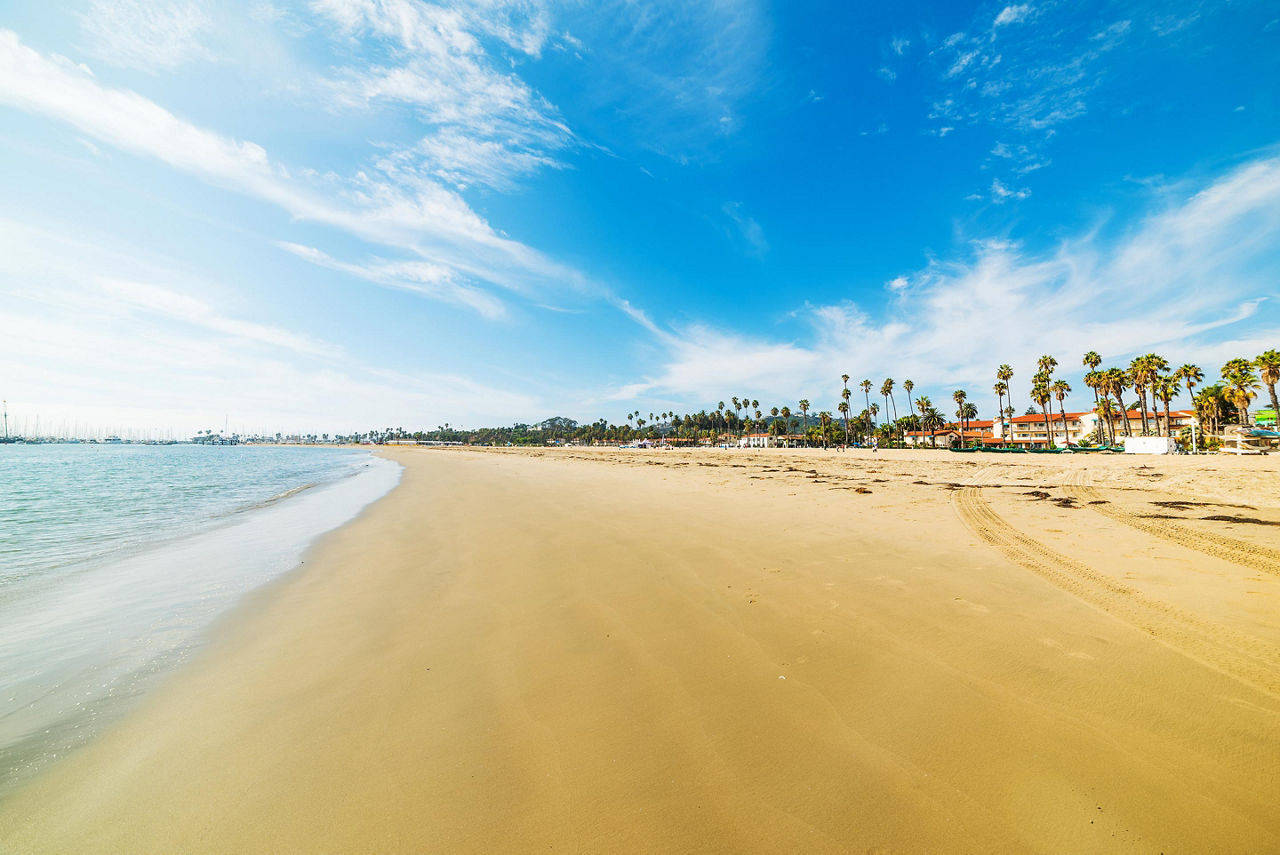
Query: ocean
(116,559)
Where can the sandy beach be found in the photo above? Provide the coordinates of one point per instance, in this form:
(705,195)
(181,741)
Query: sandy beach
(726,651)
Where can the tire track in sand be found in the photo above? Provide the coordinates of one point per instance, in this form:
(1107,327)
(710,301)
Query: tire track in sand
(1240,656)
(1251,555)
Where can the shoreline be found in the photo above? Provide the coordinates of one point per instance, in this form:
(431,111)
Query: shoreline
(739,650)
(84,650)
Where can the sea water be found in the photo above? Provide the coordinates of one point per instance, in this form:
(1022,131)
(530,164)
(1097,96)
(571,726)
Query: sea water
(116,559)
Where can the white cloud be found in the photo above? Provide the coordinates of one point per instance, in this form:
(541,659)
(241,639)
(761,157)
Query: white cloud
(483,125)
(145,35)
(419,277)
(1001,193)
(1012,15)
(93,338)
(396,205)
(1173,284)
(899,46)
(747,229)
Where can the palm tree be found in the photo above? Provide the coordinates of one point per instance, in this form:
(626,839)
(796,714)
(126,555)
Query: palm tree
(1138,372)
(1241,381)
(824,419)
(844,398)
(1268,365)
(1000,388)
(866,391)
(930,419)
(969,412)
(1041,395)
(1004,374)
(1091,361)
(804,410)
(959,397)
(1211,405)
(1116,381)
(874,409)
(1060,389)
(892,400)
(843,407)
(908,385)
(786,418)
(1166,388)
(1191,375)
(923,404)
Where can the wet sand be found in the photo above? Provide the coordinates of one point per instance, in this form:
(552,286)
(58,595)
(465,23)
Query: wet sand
(728,652)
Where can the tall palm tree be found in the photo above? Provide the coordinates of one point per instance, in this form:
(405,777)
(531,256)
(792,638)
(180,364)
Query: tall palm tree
(1041,395)
(1091,361)
(1116,381)
(907,386)
(845,394)
(866,391)
(804,411)
(1000,388)
(1268,365)
(886,390)
(959,397)
(923,404)
(969,412)
(1139,371)
(824,419)
(1060,389)
(1191,375)
(786,417)
(843,407)
(1004,374)
(1166,388)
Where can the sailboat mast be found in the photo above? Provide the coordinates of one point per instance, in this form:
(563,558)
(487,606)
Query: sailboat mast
(6,419)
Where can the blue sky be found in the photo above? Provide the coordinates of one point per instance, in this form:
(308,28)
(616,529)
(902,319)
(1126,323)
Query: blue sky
(350,214)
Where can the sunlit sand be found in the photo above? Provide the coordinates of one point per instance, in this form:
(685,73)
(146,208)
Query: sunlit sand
(727,651)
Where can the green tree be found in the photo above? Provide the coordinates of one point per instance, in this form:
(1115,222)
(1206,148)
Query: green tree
(1268,365)
(1060,389)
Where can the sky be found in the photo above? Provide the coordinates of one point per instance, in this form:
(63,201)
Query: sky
(346,215)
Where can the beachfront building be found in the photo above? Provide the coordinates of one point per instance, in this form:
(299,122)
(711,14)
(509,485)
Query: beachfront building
(764,440)
(1029,431)
(949,436)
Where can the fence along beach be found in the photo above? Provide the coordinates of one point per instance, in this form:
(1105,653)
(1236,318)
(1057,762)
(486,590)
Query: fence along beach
(727,651)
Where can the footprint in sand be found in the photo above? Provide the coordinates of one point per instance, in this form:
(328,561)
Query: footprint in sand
(976,608)
(1058,645)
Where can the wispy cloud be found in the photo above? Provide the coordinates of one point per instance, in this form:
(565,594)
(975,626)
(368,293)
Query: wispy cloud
(1012,15)
(476,122)
(419,277)
(1199,265)
(129,342)
(393,205)
(145,35)
(672,75)
(746,228)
